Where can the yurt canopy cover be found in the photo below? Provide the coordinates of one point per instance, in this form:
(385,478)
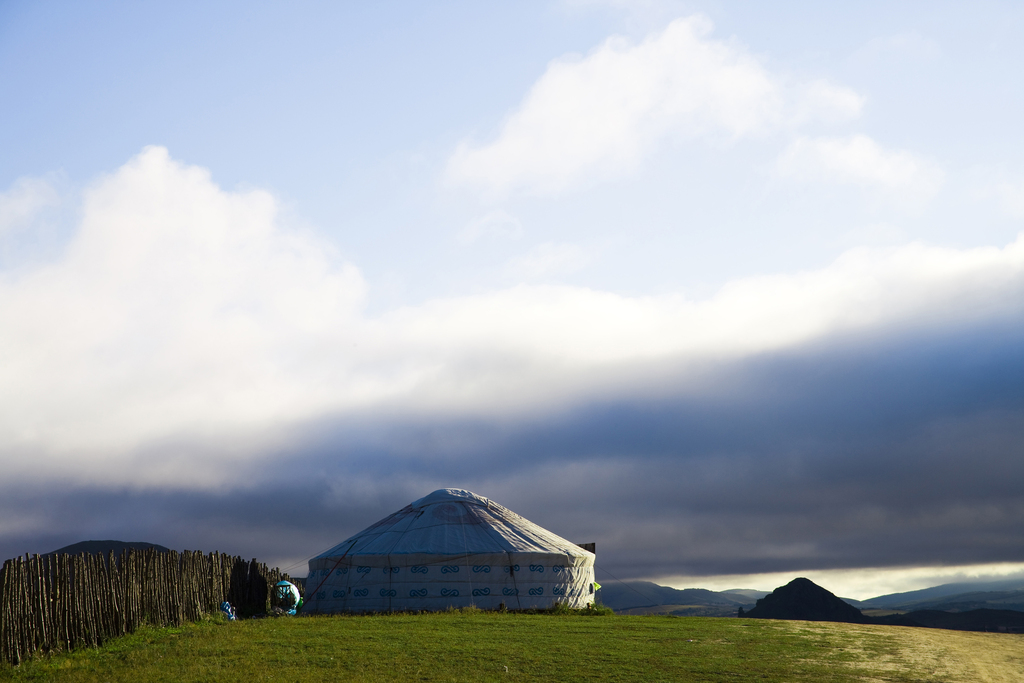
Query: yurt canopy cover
(450,548)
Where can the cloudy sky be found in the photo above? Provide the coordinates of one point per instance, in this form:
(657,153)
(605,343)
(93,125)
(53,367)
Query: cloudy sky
(734,289)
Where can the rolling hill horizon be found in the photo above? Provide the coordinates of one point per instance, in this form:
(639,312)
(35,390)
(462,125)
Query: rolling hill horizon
(643,597)
(649,597)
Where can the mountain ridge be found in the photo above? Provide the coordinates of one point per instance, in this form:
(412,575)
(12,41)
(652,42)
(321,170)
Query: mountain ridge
(946,591)
(105,547)
(643,596)
(647,597)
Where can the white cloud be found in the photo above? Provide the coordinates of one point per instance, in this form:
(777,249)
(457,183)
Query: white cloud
(23,202)
(903,176)
(494,224)
(820,100)
(603,113)
(865,289)
(177,308)
(185,327)
(548,259)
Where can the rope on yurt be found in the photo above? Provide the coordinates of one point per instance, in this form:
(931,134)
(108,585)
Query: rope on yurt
(515,584)
(328,574)
(465,546)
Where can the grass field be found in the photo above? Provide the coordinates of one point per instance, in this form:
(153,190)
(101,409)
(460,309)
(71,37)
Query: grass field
(478,646)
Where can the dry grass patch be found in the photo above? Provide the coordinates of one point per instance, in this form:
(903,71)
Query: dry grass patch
(924,654)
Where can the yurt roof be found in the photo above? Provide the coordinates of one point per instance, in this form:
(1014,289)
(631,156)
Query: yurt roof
(453,522)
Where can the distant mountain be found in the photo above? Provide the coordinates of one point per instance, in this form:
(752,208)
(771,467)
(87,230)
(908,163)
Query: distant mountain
(745,594)
(949,606)
(645,597)
(963,602)
(803,599)
(948,592)
(93,547)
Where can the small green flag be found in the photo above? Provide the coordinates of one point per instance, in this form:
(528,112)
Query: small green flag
(597,586)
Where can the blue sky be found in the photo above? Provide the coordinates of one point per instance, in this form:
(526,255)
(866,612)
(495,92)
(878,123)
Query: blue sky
(732,289)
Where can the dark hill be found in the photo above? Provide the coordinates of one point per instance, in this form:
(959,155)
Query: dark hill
(105,547)
(803,599)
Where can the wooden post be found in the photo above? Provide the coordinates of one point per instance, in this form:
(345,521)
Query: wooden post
(24,648)
(6,649)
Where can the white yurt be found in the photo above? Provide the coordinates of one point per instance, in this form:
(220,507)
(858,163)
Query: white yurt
(451,548)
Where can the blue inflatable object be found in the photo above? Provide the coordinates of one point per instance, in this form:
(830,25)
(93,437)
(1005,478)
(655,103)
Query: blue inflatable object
(227,609)
(286,595)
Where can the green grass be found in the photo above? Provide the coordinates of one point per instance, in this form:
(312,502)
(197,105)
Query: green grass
(470,646)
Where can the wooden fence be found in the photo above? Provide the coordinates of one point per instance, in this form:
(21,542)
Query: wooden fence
(51,603)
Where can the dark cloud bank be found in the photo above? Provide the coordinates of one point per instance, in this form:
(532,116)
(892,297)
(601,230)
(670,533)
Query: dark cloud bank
(907,451)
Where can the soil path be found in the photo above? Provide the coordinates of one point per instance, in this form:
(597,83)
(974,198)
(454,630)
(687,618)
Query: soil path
(932,654)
